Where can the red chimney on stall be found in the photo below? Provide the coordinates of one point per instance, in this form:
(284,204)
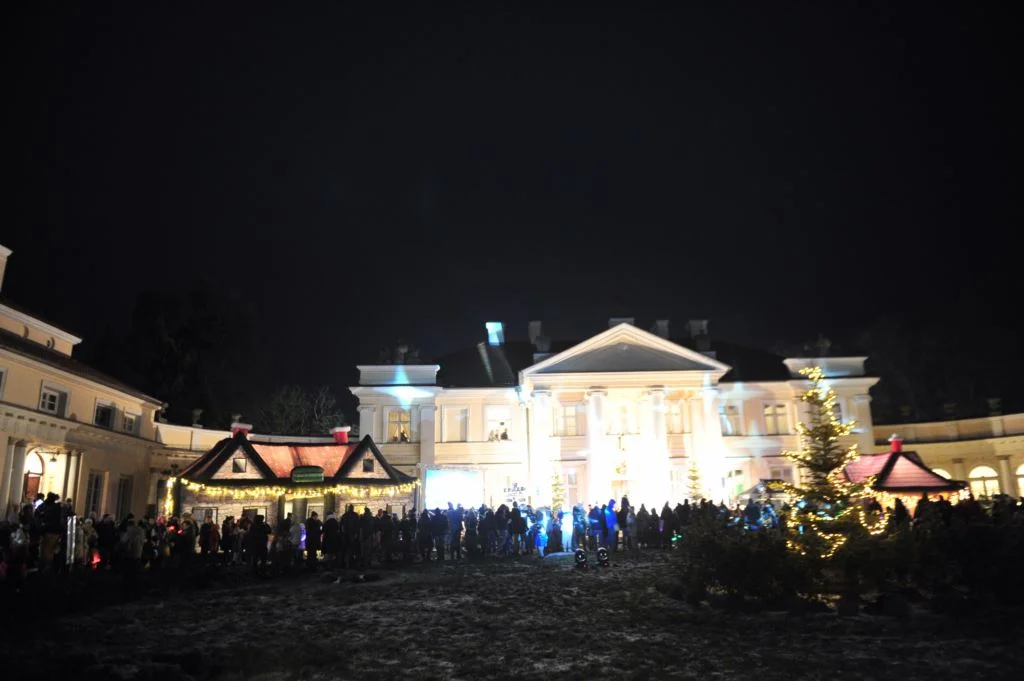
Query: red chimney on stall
(241,429)
(897,443)
(341,434)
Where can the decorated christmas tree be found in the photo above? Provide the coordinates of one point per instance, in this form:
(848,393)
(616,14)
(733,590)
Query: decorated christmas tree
(557,491)
(694,488)
(826,511)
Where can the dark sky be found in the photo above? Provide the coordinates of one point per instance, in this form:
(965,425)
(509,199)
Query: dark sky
(350,178)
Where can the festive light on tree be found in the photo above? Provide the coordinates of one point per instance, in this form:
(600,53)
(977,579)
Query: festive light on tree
(694,487)
(827,511)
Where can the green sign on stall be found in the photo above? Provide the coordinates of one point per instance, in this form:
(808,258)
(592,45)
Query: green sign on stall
(307,474)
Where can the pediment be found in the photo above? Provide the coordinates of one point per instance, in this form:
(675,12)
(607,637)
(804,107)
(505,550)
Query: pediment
(624,349)
(246,467)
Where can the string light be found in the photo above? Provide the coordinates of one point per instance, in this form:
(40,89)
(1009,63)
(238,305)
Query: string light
(348,491)
(830,509)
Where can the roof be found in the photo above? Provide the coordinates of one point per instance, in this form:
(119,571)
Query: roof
(40,353)
(275,462)
(899,472)
(485,365)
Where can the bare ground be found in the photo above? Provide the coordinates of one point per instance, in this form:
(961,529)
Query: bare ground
(522,619)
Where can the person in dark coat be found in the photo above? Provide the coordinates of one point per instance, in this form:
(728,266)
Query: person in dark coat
(314,530)
(332,539)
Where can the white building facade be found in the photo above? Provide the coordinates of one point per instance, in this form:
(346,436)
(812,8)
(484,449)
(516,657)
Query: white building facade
(625,412)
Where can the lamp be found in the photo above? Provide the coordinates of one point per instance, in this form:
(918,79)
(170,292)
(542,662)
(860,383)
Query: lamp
(53,457)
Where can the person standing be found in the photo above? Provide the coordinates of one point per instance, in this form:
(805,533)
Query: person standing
(314,532)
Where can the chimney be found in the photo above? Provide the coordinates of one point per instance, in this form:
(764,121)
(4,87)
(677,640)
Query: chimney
(196,415)
(340,434)
(4,254)
(995,406)
(400,352)
(896,443)
(241,429)
(534,332)
(699,334)
(615,321)
(660,328)
(495,333)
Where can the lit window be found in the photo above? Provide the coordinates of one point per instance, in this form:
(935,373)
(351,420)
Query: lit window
(498,423)
(730,415)
(239,465)
(53,401)
(568,420)
(984,482)
(131,424)
(399,425)
(367,465)
(775,421)
(104,415)
(1020,479)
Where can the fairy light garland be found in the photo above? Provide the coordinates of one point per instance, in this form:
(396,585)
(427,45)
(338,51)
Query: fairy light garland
(242,493)
(825,525)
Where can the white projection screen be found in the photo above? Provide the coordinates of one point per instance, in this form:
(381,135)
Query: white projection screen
(457,487)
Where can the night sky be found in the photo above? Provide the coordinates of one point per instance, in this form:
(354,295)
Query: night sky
(347,179)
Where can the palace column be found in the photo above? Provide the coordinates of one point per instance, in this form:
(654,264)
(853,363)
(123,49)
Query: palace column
(658,474)
(5,477)
(1007,483)
(540,471)
(367,421)
(598,473)
(17,484)
(959,472)
(428,458)
(712,457)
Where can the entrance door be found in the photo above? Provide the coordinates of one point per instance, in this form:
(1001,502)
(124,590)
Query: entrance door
(31,487)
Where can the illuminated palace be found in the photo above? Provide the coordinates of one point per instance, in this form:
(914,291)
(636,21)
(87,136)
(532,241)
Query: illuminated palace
(625,412)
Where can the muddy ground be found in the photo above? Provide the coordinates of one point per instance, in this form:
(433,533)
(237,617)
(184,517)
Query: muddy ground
(507,619)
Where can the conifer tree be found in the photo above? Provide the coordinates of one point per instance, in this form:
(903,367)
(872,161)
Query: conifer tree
(694,487)
(557,491)
(827,510)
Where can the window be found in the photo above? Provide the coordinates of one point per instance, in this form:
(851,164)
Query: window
(456,422)
(734,481)
(498,421)
(784,473)
(775,421)
(239,465)
(104,415)
(94,493)
(399,425)
(203,513)
(676,422)
(124,497)
(368,465)
(984,482)
(568,420)
(131,424)
(730,415)
(1020,480)
(837,410)
(943,472)
(3,376)
(53,401)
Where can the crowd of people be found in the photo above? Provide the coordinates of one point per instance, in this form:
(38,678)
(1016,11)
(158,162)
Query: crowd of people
(47,537)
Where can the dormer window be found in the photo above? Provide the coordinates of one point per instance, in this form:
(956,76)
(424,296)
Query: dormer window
(367,465)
